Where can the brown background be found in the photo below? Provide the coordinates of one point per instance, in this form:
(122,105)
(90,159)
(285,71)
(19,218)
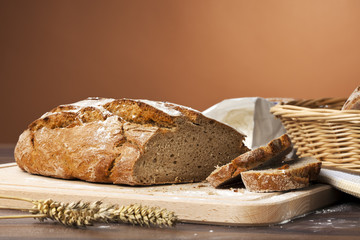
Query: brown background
(194,53)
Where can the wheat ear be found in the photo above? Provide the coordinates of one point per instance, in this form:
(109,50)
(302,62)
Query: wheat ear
(82,214)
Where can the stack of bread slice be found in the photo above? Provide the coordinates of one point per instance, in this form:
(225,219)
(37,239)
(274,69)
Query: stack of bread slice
(267,169)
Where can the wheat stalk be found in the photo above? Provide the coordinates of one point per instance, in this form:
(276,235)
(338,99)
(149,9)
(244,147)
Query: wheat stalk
(138,215)
(81,214)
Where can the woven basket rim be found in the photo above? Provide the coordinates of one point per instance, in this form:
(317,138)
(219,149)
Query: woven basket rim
(326,100)
(291,111)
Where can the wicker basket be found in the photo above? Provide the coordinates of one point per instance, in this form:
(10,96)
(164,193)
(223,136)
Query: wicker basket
(320,129)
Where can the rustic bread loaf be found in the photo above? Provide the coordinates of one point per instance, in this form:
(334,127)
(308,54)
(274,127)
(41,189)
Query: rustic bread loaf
(230,173)
(287,176)
(124,141)
(353,102)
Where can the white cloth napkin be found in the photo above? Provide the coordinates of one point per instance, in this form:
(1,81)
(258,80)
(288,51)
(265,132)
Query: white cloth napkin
(250,116)
(346,182)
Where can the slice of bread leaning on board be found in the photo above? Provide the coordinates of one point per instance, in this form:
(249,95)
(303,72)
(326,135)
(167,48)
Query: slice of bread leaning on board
(143,142)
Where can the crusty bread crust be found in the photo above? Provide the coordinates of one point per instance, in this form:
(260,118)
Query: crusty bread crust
(125,141)
(230,172)
(297,174)
(353,102)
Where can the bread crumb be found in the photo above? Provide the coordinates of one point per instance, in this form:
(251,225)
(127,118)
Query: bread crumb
(239,190)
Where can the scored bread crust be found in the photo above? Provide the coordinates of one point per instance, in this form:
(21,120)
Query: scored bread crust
(298,174)
(126,141)
(353,102)
(230,172)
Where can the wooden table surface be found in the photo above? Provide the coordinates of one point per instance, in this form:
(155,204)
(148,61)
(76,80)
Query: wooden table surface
(339,221)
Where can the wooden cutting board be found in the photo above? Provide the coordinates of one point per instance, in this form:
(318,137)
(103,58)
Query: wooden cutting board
(196,202)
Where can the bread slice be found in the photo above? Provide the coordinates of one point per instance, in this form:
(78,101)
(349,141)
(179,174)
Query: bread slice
(353,102)
(230,173)
(126,141)
(289,175)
